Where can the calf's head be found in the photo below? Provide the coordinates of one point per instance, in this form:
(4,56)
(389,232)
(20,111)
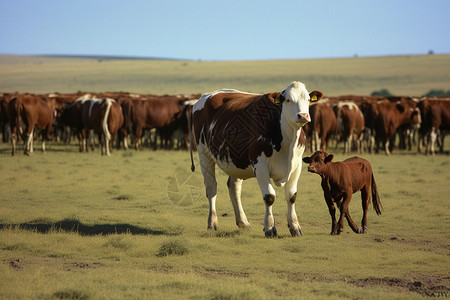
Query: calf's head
(295,107)
(318,161)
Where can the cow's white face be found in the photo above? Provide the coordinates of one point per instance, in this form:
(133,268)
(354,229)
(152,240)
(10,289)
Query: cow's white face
(295,111)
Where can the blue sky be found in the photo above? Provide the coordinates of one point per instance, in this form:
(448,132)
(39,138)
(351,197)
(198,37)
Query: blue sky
(225,30)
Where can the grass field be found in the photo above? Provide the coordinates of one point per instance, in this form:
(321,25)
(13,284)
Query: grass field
(401,75)
(133,225)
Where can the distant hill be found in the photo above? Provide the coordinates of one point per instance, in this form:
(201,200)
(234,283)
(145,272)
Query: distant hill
(413,75)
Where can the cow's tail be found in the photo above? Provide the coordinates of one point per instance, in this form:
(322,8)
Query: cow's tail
(105,119)
(191,133)
(376,198)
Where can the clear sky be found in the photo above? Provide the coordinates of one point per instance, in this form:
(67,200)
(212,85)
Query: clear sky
(225,30)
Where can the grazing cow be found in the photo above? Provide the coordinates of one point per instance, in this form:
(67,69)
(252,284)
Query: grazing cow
(251,135)
(105,117)
(350,125)
(390,117)
(340,180)
(435,118)
(34,112)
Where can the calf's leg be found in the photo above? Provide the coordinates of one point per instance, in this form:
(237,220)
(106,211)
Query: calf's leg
(345,213)
(332,210)
(365,207)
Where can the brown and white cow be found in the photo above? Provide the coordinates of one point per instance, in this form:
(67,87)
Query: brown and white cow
(35,113)
(252,135)
(105,117)
(340,180)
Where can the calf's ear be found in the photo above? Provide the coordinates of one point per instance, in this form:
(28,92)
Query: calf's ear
(315,96)
(329,158)
(307,160)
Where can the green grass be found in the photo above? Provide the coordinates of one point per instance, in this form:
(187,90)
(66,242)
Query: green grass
(82,226)
(401,75)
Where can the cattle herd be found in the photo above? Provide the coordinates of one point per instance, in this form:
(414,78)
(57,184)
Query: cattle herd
(362,123)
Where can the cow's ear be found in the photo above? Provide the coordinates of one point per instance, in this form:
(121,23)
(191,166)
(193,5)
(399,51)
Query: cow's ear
(315,96)
(276,98)
(307,160)
(329,158)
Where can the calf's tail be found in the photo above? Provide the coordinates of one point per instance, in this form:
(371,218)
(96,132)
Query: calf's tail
(377,206)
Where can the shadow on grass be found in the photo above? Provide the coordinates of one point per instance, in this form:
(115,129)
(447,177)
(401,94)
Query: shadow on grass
(70,225)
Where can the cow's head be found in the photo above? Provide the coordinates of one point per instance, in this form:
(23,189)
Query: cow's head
(295,105)
(318,161)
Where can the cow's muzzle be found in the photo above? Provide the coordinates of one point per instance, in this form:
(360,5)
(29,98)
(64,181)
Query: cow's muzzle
(304,118)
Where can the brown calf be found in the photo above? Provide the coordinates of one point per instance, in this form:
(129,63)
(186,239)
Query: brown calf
(340,180)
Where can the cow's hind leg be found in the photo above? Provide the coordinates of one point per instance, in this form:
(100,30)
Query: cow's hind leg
(234,188)
(208,166)
(268,194)
(365,206)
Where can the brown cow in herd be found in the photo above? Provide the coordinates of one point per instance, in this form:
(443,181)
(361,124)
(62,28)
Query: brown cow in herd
(322,126)
(340,180)
(392,115)
(34,112)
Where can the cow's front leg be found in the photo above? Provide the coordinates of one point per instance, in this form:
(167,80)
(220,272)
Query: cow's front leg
(234,188)
(290,190)
(268,193)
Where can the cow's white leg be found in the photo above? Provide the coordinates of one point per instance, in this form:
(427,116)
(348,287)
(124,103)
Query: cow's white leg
(208,167)
(268,193)
(290,190)
(386,148)
(28,145)
(433,139)
(234,188)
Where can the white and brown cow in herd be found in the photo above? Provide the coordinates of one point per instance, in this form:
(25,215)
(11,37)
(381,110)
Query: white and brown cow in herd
(252,135)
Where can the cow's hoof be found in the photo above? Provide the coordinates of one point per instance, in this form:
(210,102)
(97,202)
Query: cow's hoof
(363,230)
(295,230)
(271,233)
(334,233)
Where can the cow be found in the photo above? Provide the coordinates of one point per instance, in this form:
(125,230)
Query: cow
(35,113)
(350,125)
(252,135)
(105,117)
(153,112)
(323,125)
(340,180)
(390,117)
(435,118)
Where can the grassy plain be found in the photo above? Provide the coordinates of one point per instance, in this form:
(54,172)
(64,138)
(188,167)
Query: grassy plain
(401,75)
(133,225)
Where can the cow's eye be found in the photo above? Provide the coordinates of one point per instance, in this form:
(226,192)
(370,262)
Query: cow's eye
(288,100)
